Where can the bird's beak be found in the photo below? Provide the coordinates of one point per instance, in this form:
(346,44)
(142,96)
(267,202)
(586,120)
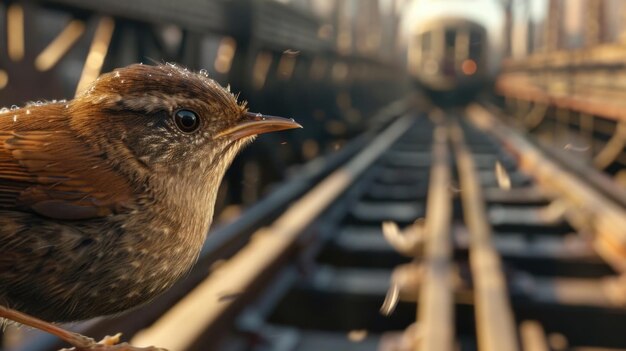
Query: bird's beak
(256,123)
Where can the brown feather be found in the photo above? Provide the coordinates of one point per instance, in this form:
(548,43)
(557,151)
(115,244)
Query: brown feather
(51,172)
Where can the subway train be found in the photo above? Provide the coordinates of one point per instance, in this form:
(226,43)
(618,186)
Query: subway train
(453,48)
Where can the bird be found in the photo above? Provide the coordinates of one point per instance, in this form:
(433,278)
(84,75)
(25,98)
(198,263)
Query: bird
(106,199)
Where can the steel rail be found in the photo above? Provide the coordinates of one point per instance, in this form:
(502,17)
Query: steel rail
(595,178)
(202,309)
(588,209)
(436,301)
(533,336)
(520,87)
(495,322)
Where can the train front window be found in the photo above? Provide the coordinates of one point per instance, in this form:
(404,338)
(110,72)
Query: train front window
(462,45)
(449,53)
(475,45)
(426,41)
(450,39)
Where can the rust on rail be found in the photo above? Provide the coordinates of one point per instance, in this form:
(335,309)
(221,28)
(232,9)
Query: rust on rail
(495,322)
(607,104)
(586,207)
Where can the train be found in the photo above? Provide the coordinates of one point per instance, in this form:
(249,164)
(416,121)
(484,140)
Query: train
(454,48)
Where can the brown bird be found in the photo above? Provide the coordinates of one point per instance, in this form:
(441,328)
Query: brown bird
(106,200)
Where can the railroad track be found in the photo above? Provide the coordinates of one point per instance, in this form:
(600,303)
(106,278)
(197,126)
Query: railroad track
(486,244)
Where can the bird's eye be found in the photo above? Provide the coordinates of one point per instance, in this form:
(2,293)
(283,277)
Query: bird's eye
(186,120)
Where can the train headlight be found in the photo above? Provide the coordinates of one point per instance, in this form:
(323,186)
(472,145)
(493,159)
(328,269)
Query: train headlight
(469,67)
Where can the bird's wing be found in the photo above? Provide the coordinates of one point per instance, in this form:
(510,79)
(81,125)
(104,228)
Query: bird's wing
(56,175)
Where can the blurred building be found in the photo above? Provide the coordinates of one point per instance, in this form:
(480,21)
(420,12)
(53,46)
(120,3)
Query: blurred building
(552,25)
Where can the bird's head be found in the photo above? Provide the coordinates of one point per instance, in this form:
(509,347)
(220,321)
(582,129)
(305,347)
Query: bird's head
(170,119)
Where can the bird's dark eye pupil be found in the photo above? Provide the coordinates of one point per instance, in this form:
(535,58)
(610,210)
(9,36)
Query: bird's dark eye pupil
(186,120)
